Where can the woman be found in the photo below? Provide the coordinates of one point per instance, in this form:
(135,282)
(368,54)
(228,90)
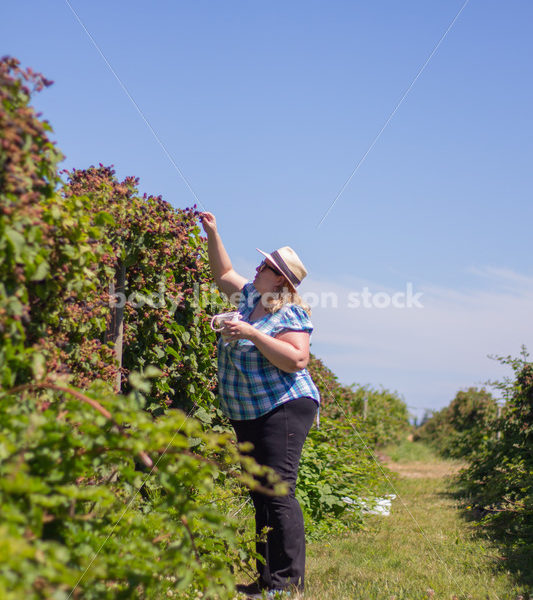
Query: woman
(268,395)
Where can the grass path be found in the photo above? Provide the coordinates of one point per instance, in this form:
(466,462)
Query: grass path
(438,557)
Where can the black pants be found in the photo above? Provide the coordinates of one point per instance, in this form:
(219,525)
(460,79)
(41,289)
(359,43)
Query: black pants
(278,438)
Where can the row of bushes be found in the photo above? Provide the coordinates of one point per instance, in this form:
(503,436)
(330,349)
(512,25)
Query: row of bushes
(75,442)
(497,483)
(380,415)
(119,477)
(461,428)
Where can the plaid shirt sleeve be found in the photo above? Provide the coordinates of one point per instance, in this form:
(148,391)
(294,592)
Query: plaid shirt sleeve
(294,318)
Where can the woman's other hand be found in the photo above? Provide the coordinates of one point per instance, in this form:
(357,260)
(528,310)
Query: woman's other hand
(209,222)
(238,330)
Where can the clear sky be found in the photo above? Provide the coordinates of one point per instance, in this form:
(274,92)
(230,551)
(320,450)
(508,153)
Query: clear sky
(267,107)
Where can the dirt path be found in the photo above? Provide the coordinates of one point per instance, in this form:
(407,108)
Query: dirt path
(422,469)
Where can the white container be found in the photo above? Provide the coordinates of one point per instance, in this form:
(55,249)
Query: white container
(219,321)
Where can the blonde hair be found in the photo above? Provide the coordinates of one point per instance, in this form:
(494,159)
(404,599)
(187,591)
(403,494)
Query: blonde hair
(276,300)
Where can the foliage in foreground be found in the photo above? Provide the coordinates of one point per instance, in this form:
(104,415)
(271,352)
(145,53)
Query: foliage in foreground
(72,516)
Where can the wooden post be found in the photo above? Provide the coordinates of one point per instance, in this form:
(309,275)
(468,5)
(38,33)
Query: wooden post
(499,433)
(115,333)
(365,407)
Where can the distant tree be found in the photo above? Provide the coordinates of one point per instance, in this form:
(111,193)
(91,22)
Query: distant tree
(459,429)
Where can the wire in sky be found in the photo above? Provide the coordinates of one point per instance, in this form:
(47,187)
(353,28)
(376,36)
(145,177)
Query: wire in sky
(420,71)
(126,91)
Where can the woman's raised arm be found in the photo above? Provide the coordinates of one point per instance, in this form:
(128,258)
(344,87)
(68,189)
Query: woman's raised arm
(226,278)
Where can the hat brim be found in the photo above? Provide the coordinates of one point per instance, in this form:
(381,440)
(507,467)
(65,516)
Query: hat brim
(276,264)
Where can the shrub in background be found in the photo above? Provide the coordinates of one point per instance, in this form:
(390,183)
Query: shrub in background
(337,464)
(499,479)
(460,429)
(384,420)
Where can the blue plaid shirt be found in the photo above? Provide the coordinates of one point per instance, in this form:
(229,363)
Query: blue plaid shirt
(249,385)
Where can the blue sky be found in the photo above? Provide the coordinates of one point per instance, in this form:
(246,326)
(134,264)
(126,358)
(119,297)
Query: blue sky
(268,107)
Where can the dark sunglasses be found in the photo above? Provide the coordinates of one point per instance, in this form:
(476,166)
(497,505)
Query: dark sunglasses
(264,265)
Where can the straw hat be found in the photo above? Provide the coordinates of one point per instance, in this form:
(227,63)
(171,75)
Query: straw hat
(287,262)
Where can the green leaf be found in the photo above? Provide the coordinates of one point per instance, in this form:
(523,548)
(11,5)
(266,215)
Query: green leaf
(203,416)
(159,352)
(95,232)
(104,218)
(55,212)
(151,372)
(38,366)
(172,352)
(17,241)
(41,272)
(138,382)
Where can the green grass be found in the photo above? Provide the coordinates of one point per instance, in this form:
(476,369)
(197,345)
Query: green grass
(407,451)
(424,550)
